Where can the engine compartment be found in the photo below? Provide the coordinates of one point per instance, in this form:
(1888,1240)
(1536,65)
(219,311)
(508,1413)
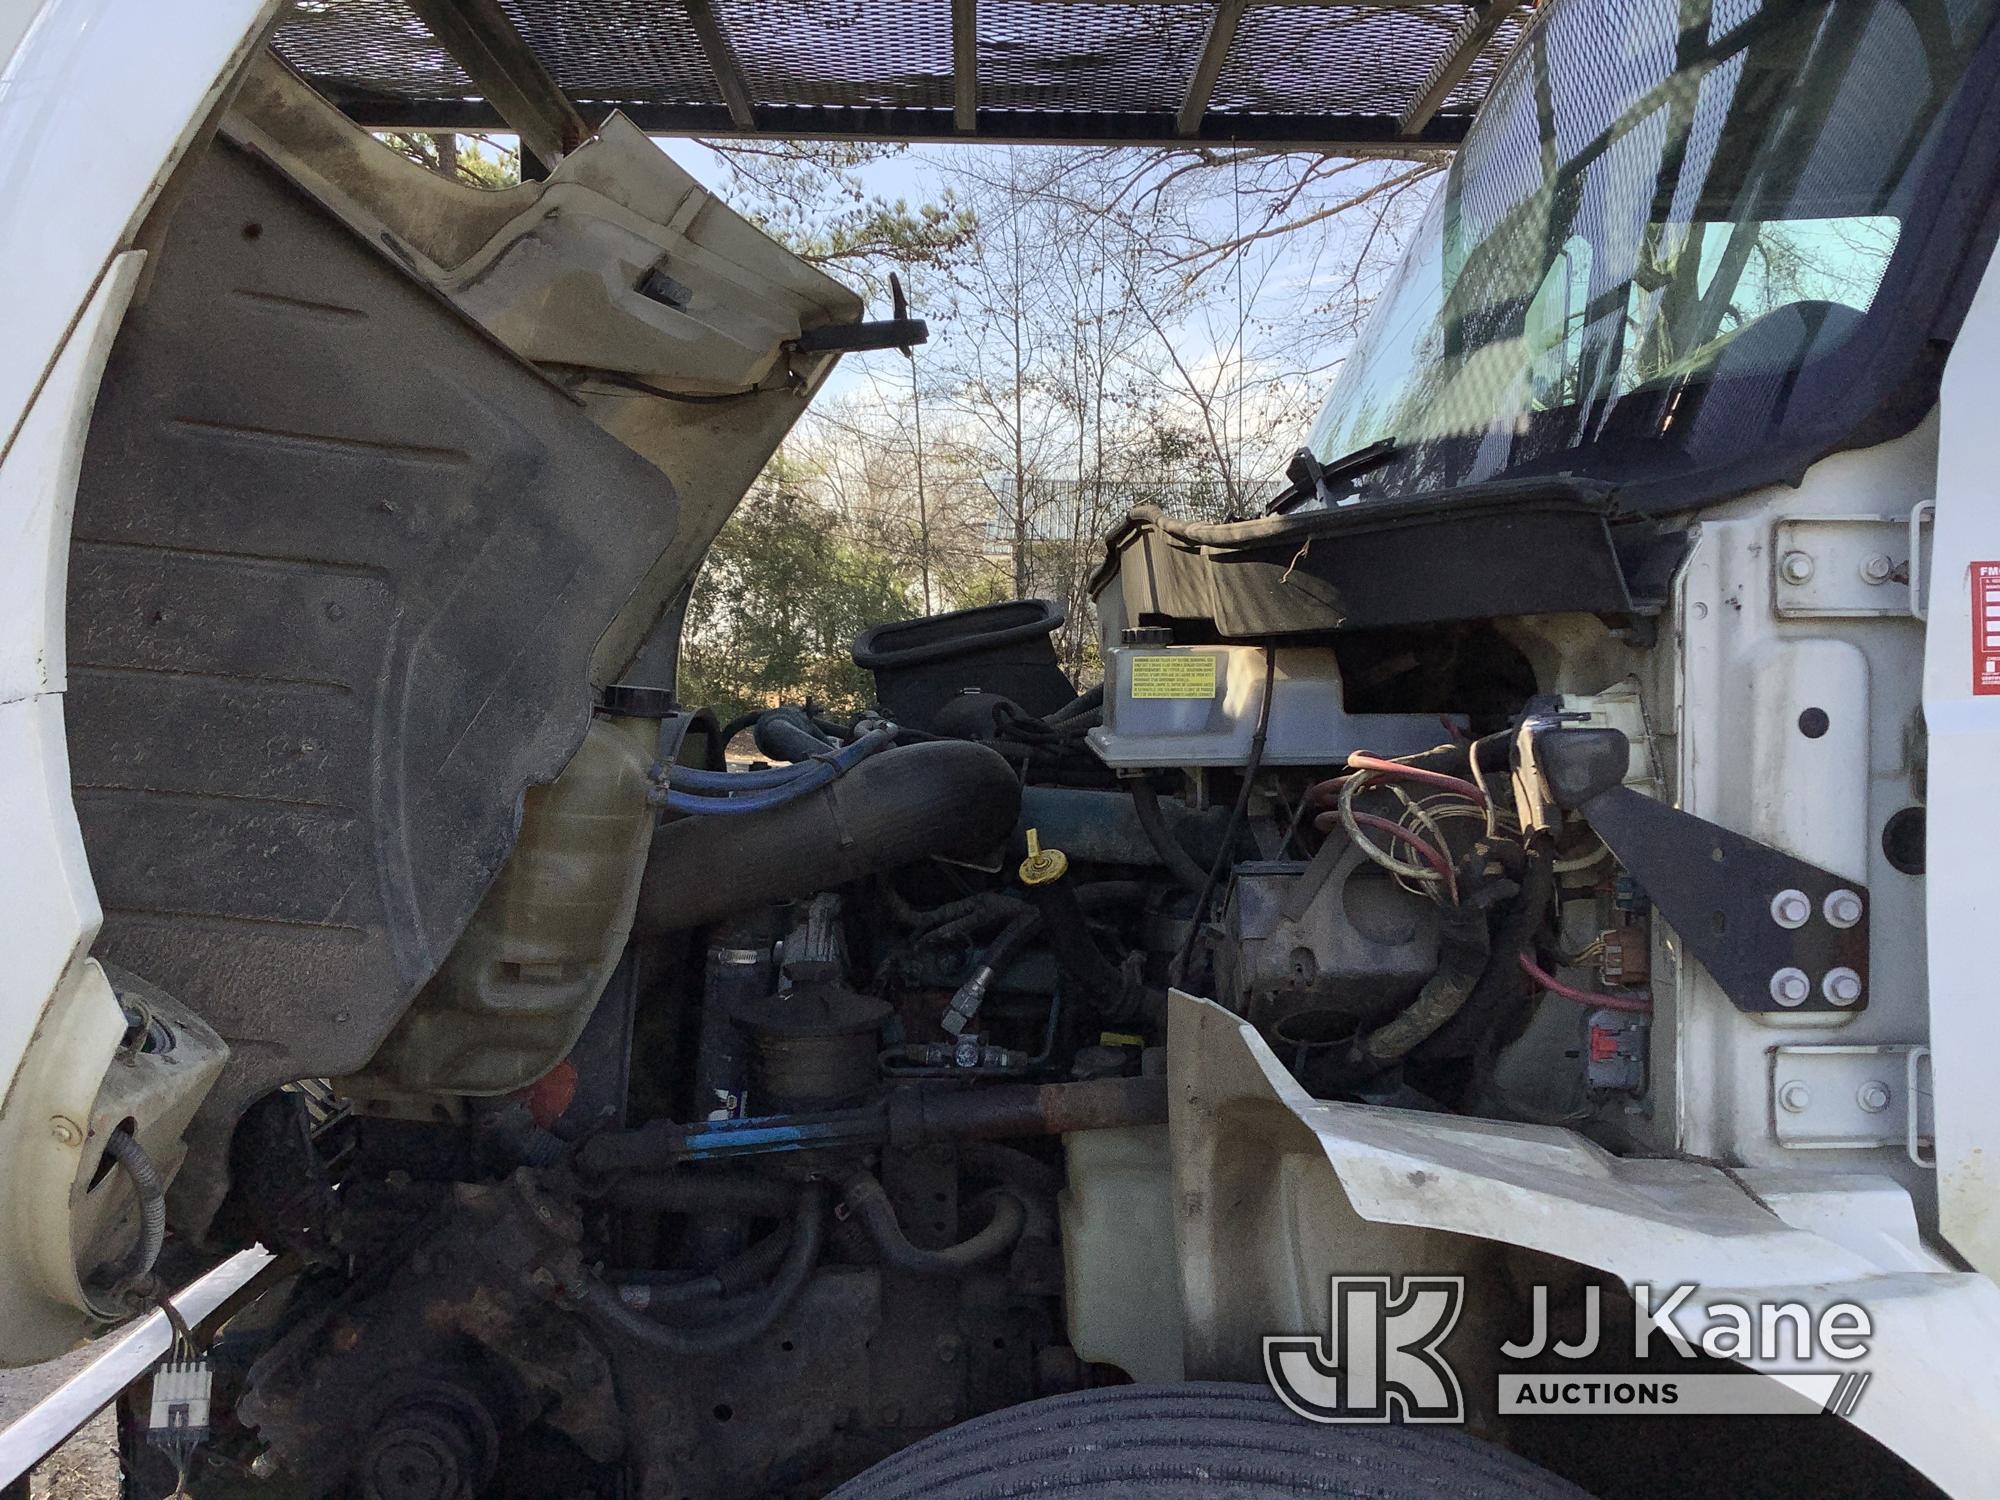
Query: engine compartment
(841,1153)
(713,1109)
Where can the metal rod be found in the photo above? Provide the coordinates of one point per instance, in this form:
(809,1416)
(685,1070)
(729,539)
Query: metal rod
(965,65)
(721,55)
(58,1416)
(1214,53)
(1473,33)
(483,41)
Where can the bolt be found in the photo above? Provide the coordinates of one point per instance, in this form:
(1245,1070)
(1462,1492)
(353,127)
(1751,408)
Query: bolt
(263,1466)
(1879,568)
(1790,987)
(1841,986)
(890,1415)
(66,1131)
(948,1347)
(1797,567)
(543,1277)
(1842,907)
(1791,909)
(1795,1098)
(1873,1096)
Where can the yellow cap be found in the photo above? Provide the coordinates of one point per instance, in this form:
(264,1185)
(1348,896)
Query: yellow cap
(1042,865)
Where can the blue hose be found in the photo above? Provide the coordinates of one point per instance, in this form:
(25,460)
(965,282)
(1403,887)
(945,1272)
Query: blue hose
(728,783)
(765,793)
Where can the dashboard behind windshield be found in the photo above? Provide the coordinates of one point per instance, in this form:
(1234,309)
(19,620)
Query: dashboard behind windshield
(1667,214)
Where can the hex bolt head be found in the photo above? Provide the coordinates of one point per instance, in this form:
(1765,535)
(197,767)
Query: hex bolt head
(1791,987)
(66,1131)
(1873,1096)
(1879,568)
(1797,567)
(1842,907)
(1791,909)
(1841,986)
(1795,1098)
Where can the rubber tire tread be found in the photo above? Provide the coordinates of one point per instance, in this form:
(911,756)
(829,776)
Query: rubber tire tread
(1196,1439)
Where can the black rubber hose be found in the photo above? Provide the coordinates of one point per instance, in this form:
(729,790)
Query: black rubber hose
(1464,943)
(1177,970)
(950,799)
(867,1202)
(788,734)
(1502,988)
(601,1301)
(715,1288)
(736,726)
(1084,703)
(1104,987)
(1180,864)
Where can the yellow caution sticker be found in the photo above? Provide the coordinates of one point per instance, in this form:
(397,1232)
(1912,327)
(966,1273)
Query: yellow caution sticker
(1173,676)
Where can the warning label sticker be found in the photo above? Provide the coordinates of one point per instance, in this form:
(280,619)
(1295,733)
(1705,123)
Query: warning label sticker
(1173,676)
(1985,628)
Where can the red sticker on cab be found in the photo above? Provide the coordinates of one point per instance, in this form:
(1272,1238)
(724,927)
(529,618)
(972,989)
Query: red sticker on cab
(1986,628)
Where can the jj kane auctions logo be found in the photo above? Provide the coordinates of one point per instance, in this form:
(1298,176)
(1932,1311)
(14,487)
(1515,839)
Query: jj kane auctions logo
(1381,1358)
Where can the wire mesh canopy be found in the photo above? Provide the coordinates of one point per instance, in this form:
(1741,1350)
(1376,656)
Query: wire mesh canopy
(1360,75)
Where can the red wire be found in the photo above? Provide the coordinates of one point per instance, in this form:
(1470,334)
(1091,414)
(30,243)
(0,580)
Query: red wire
(1637,1004)
(1363,762)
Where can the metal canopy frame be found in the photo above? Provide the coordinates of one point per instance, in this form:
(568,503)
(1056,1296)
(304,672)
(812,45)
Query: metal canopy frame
(1363,77)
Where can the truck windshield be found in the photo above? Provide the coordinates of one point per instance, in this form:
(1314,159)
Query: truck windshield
(1667,210)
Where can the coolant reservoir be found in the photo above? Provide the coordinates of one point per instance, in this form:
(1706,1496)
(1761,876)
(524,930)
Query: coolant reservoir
(1169,705)
(511,999)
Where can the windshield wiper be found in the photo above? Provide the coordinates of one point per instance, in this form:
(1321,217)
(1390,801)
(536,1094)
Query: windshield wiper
(1312,479)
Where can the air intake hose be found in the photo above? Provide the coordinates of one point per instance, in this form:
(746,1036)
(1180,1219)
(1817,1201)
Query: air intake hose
(947,799)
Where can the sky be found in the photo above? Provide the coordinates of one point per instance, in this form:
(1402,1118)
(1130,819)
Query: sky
(920,174)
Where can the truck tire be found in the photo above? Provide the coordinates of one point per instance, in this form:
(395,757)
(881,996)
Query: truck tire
(1166,1442)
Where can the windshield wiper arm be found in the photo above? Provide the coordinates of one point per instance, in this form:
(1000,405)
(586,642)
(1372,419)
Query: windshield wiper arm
(1310,478)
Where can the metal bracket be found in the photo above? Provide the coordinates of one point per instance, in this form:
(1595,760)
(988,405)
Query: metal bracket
(1777,934)
(1846,566)
(1826,1098)
(1923,512)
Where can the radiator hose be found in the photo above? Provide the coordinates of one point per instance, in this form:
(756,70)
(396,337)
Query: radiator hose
(867,1201)
(948,799)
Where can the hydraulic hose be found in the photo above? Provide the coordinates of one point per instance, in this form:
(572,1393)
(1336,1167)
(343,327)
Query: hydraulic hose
(865,1199)
(1182,865)
(601,1300)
